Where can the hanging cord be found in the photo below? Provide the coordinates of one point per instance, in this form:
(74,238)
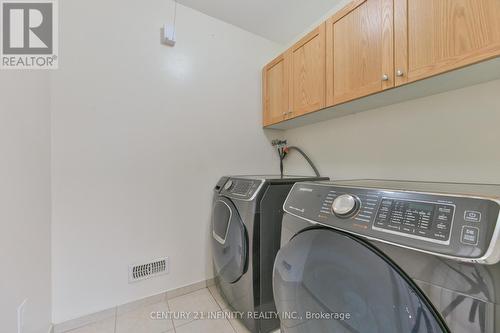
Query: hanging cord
(287,149)
(175,13)
(283,150)
(282,155)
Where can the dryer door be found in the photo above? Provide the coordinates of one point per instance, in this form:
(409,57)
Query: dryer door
(329,281)
(229,242)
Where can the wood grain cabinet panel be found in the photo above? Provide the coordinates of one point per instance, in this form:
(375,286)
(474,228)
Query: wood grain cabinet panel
(373,45)
(275,90)
(308,73)
(435,36)
(360,50)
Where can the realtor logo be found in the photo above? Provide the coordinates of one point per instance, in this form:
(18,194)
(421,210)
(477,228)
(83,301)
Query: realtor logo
(29,34)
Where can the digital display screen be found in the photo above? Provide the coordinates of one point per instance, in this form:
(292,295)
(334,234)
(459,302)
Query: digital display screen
(421,207)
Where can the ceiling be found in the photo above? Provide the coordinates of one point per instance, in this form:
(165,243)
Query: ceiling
(278,20)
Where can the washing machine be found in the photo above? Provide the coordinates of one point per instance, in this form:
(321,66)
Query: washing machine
(389,257)
(245,236)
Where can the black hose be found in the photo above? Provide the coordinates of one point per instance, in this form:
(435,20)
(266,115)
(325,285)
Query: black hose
(281,154)
(281,162)
(307,159)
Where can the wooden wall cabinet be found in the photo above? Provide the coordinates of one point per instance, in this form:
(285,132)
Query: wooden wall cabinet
(436,36)
(308,60)
(275,90)
(360,50)
(373,45)
(294,83)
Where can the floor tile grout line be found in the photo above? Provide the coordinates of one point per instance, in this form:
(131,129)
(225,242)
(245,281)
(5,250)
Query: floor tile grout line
(231,324)
(189,322)
(194,320)
(215,299)
(171,319)
(173,322)
(220,307)
(116,319)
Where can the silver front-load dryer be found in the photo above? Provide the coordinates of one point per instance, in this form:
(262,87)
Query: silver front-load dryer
(389,257)
(245,236)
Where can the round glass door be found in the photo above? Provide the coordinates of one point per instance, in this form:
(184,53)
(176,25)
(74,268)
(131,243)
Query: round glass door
(229,244)
(328,281)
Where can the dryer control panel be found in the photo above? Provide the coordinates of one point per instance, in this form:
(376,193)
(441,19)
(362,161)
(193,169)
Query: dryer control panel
(457,226)
(240,188)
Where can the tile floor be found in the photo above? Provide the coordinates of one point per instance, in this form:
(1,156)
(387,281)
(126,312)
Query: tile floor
(138,320)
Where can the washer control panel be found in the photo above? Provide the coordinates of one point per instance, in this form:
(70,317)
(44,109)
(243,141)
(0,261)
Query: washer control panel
(430,221)
(455,226)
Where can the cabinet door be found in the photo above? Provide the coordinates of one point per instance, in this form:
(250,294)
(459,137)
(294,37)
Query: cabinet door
(435,36)
(275,90)
(360,50)
(308,73)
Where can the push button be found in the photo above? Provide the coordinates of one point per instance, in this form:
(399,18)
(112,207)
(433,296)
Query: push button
(472,216)
(442,226)
(440,235)
(445,209)
(408,230)
(470,235)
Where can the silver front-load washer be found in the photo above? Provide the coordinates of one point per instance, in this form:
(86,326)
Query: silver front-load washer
(385,256)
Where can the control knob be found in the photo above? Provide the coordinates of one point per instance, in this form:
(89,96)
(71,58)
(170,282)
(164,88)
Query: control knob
(345,205)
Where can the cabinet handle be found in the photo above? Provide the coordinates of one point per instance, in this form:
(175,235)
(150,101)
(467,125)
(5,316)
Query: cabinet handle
(385,77)
(399,73)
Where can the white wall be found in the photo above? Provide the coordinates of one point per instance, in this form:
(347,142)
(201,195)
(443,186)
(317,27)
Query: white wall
(452,136)
(25,200)
(141,133)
